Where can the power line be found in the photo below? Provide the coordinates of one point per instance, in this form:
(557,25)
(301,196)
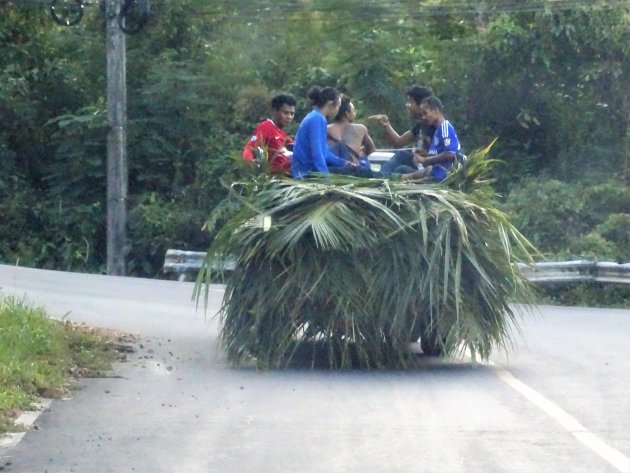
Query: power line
(374,9)
(399,14)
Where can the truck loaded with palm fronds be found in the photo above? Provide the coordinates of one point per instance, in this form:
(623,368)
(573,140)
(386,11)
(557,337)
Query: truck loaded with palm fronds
(355,270)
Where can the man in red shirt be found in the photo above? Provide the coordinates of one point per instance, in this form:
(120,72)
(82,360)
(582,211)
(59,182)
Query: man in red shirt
(270,135)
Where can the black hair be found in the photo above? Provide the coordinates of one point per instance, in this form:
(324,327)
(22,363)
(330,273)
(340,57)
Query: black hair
(433,103)
(419,92)
(319,96)
(343,108)
(281,99)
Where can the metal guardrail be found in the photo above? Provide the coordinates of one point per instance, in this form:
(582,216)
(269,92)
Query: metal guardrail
(577,271)
(183,266)
(564,271)
(612,272)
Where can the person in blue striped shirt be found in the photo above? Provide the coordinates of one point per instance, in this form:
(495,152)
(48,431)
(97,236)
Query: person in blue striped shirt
(443,147)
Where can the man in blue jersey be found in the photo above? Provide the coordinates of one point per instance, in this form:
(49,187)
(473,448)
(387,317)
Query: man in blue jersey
(443,147)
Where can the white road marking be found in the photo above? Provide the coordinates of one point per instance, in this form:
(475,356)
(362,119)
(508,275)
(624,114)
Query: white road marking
(613,456)
(25,421)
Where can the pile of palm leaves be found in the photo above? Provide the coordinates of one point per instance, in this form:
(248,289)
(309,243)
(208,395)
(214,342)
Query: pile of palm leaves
(352,270)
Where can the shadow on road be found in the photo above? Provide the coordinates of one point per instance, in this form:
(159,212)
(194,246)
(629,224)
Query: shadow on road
(314,355)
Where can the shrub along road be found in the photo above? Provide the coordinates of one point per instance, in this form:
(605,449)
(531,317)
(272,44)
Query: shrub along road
(559,402)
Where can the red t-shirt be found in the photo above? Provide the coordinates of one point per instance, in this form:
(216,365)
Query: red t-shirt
(268,135)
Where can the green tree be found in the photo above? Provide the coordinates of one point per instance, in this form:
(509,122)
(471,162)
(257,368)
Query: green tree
(554,89)
(552,83)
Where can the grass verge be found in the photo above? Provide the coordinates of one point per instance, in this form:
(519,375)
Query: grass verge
(39,356)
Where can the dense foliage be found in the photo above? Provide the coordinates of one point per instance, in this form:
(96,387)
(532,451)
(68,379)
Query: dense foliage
(551,82)
(574,222)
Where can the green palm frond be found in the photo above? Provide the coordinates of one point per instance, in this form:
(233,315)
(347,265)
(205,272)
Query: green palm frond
(473,175)
(363,267)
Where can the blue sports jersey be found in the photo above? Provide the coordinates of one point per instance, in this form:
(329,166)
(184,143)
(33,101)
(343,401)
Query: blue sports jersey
(444,139)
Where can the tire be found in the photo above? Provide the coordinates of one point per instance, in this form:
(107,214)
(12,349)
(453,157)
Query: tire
(432,346)
(67,12)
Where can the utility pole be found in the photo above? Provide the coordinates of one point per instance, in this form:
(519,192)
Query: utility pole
(116,142)
(481,18)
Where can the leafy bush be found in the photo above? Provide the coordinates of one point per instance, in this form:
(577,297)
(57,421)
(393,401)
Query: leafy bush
(571,220)
(602,200)
(156,224)
(616,230)
(595,247)
(543,210)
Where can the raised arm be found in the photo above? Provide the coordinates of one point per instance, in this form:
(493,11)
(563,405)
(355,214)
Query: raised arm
(392,136)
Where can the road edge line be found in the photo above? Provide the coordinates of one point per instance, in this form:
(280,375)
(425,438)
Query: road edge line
(613,456)
(25,420)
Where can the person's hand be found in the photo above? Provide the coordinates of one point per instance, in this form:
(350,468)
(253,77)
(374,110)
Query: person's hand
(381,119)
(420,159)
(420,151)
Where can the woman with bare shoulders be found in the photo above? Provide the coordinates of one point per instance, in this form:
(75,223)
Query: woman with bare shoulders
(350,140)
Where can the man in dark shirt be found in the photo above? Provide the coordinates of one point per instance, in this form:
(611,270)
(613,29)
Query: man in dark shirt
(419,135)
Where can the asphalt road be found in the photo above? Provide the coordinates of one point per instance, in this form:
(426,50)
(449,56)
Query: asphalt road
(559,402)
